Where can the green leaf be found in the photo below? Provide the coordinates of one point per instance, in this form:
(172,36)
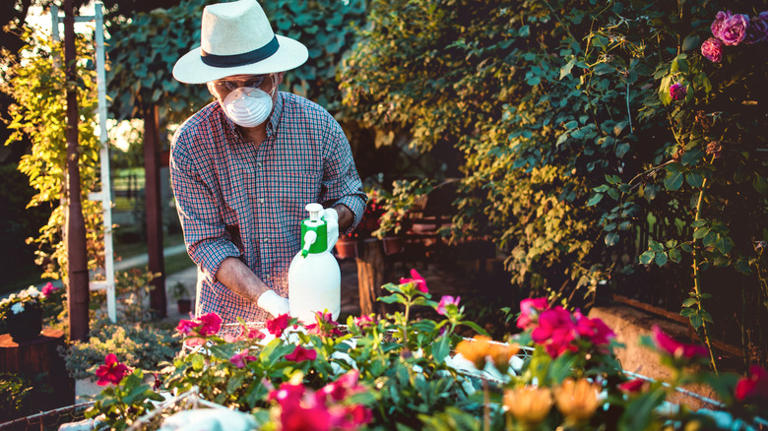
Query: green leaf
(673,181)
(390,299)
(694,180)
(612,239)
(597,197)
(647,257)
(441,349)
(566,70)
(638,415)
(622,149)
(689,302)
(661,258)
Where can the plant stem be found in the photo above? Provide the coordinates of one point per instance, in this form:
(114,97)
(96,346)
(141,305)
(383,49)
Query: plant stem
(697,277)
(486,408)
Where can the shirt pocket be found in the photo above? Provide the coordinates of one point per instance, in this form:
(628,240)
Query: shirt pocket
(295,190)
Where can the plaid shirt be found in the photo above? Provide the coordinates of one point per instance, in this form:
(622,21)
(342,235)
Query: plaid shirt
(240,200)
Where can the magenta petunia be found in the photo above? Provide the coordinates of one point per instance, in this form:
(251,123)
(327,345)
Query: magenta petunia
(417,280)
(594,330)
(445,301)
(112,371)
(674,348)
(301,354)
(754,387)
(365,320)
(241,359)
(277,325)
(530,309)
(555,331)
(210,324)
(712,50)
(48,289)
(185,327)
(632,386)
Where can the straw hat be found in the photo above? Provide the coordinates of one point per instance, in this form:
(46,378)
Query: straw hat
(237,39)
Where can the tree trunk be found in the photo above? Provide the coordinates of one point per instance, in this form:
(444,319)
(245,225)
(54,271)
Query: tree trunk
(154,213)
(372,268)
(77,260)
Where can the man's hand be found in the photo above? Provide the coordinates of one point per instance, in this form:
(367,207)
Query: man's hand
(273,303)
(331,217)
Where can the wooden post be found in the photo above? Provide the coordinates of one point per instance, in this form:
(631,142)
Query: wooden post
(77,266)
(154,213)
(372,268)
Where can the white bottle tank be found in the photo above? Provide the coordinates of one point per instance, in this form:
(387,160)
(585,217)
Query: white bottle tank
(314,278)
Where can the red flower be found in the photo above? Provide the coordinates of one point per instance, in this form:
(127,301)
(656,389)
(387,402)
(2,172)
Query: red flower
(112,371)
(301,354)
(447,300)
(240,359)
(555,331)
(287,393)
(417,280)
(753,387)
(529,311)
(632,386)
(350,417)
(595,330)
(48,289)
(343,386)
(211,323)
(277,325)
(669,345)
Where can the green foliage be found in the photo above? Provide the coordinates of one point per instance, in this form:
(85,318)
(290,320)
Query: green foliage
(37,84)
(144,48)
(120,405)
(14,391)
(572,149)
(138,345)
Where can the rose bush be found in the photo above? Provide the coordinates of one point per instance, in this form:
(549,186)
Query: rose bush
(393,372)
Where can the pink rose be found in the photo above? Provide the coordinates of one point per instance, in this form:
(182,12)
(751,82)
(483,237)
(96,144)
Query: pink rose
(677,91)
(712,50)
(734,29)
(718,24)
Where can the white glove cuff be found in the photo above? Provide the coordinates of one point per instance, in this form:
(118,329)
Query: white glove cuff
(270,300)
(331,213)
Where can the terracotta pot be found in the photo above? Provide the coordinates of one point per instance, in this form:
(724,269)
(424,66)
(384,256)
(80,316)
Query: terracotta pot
(26,325)
(346,248)
(392,245)
(185,305)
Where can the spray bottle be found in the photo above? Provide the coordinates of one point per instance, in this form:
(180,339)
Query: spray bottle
(314,278)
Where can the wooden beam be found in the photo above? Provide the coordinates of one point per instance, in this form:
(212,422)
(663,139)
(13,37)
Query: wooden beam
(154,213)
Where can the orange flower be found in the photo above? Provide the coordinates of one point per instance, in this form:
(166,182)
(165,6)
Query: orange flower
(480,349)
(529,404)
(577,400)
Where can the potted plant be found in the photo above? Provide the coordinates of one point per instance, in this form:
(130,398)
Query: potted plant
(183,302)
(22,314)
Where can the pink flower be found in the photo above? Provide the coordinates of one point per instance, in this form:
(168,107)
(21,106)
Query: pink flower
(529,311)
(632,386)
(210,324)
(48,289)
(351,417)
(677,91)
(712,50)
(287,393)
(277,325)
(240,359)
(733,29)
(594,330)
(555,331)
(327,327)
(364,320)
(753,387)
(719,22)
(417,280)
(445,301)
(669,345)
(345,385)
(112,371)
(301,354)
(185,327)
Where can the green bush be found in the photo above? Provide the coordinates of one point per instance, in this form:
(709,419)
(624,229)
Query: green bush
(14,391)
(138,345)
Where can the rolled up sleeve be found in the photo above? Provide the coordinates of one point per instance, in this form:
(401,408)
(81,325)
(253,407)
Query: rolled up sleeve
(205,235)
(341,183)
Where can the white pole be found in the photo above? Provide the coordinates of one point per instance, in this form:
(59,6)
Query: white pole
(106,189)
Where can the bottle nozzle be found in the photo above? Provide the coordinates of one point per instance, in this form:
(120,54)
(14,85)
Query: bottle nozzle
(309,239)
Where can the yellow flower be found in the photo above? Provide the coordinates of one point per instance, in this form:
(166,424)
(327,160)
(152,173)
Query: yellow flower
(528,404)
(475,350)
(480,349)
(577,400)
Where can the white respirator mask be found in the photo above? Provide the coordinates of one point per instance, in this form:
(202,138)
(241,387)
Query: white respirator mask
(248,106)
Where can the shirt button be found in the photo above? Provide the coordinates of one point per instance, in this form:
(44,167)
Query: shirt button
(265,240)
(258,164)
(261,200)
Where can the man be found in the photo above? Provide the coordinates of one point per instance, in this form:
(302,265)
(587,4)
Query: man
(244,167)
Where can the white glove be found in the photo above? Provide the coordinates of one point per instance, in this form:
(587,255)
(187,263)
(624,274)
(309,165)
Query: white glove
(331,217)
(273,303)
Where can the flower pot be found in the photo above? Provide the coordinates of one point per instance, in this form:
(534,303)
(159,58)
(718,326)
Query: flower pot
(392,245)
(185,305)
(26,325)
(346,248)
